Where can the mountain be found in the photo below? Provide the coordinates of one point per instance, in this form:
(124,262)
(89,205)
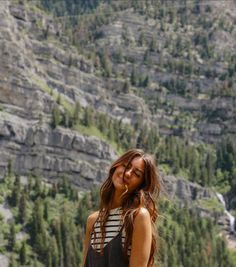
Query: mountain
(80,85)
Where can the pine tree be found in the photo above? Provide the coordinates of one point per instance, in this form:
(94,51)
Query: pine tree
(59,99)
(210,166)
(56,231)
(30,183)
(12,262)
(38,185)
(133,77)
(153,44)
(141,39)
(12,237)
(106,63)
(88,117)
(9,176)
(147,58)
(145,81)
(45,210)
(22,208)
(67,119)
(15,196)
(38,230)
(56,117)
(126,87)
(54,252)
(76,113)
(23,254)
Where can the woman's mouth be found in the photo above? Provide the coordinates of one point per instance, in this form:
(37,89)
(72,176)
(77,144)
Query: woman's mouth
(122,181)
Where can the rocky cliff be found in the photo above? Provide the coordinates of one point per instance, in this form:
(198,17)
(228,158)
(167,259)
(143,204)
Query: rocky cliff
(38,62)
(26,136)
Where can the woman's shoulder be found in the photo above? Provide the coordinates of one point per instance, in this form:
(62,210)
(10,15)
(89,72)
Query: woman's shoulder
(91,219)
(142,224)
(142,215)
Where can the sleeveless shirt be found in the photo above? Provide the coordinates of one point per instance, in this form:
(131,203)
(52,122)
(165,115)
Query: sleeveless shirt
(113,255)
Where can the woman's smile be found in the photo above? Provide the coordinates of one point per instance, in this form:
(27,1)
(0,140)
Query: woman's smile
(129,176)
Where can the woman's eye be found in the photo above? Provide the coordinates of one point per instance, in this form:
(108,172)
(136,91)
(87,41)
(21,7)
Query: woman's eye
(138,174)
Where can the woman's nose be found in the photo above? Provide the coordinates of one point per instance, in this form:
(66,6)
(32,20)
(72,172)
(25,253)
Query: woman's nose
(128,172)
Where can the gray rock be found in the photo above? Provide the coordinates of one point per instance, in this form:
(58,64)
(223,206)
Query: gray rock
(4,261)
(18,12)
(185,190)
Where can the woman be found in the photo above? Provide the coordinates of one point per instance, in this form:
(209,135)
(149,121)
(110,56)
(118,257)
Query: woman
(121,233)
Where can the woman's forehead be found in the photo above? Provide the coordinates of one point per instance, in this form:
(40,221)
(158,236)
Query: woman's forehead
(138,163)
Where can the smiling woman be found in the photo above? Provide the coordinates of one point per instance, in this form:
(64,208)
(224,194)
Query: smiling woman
(121,233)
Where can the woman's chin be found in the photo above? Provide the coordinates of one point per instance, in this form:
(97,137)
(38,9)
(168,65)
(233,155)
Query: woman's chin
(120,186)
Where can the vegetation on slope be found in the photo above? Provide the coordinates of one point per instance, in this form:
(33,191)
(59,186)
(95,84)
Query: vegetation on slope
(183,51)
(207,165)
(52,218)
(174,56)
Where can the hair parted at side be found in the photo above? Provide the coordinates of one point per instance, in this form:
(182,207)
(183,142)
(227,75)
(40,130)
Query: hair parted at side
(144,196)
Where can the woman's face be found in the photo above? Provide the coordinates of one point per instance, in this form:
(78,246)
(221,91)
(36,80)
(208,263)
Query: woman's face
(133,176)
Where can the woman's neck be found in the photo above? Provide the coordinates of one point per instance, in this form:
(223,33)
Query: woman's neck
(116,201)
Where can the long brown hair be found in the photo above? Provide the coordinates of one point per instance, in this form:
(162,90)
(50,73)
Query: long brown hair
(144,196)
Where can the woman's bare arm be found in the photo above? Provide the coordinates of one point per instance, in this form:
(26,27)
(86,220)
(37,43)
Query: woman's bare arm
(141,240)
(90,222)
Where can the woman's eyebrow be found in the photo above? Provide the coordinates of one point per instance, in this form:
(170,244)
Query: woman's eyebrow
(138,170)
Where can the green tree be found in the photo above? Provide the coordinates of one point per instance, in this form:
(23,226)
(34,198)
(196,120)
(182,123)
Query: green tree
(76,113)
(45,210)
(133,77)
(126,87)
(141,40)
(88,119)
(153,44)
(59,99)
(12,262)
(105,62)
(23,254)
(38,186)
(22,208)
(56,117)
(56,232)
(147,58)
(54,252)
(67,119)
(12,237)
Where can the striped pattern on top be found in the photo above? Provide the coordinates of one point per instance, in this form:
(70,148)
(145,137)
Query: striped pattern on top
(112,229)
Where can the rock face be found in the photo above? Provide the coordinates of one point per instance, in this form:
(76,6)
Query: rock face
(4,261)
(30,67)
(38,62)
(53,153)
(185,190)
(27,141)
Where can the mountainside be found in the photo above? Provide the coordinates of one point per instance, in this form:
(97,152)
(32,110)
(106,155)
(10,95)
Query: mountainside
(169,71)
(80,85)
(129,74)
(180,58)
(26,136)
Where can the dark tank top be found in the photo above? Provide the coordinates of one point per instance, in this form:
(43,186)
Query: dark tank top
(112,255)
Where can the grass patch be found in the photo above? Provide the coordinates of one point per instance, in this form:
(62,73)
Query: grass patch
(165,168)
(222,188)
(56,206)
(211,204)
(232,254)
(93,131)
(69,106)
(183,173)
